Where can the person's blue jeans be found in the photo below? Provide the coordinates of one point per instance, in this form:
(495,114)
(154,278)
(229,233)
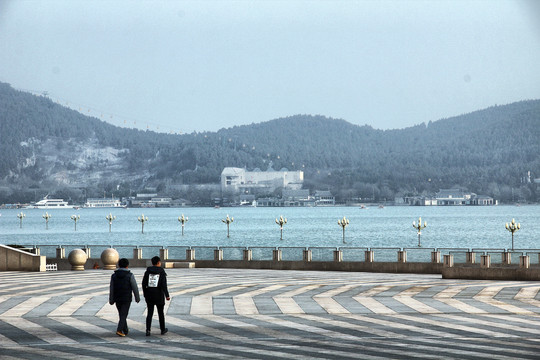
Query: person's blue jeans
(123,310)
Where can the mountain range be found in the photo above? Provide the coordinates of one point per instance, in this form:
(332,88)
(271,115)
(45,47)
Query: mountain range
(50,149)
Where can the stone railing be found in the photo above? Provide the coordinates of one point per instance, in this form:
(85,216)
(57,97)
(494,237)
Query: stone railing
(376,259)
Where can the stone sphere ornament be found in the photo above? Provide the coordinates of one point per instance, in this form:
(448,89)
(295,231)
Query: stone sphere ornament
(77,258)
(109,258)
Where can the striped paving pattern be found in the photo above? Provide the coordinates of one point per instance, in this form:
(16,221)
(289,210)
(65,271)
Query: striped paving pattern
(266,314)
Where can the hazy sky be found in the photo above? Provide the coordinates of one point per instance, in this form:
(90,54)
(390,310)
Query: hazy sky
(204,65)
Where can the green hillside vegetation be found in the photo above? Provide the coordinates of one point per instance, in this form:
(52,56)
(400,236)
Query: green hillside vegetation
(487,152)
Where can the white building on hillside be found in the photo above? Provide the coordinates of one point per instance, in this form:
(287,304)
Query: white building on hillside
(241,180)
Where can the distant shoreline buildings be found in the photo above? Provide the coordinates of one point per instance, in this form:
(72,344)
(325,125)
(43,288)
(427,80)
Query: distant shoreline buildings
(448,197)
(240,180)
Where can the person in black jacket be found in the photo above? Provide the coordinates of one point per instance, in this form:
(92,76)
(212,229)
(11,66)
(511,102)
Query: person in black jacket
(123,284)
(155,291)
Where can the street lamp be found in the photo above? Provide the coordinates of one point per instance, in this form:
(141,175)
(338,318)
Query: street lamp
(513,227)
(182,220)
(21,216)
(110,219)
(419,228)
(142,219)
(75,218)
(47,216)
(282,221)
(227,221)
(343,223)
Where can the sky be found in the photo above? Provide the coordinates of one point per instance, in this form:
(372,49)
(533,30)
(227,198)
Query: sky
(195,66)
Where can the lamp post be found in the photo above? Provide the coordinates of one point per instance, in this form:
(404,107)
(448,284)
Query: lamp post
(513,227)
(282,221)
(21,216)
(142,220)
(227,221)
(183,220)
(47,216)
(419,228)
(343,223)
(110,219)
(75,218)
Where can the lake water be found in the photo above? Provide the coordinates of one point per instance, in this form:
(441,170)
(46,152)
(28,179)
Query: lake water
(448,227)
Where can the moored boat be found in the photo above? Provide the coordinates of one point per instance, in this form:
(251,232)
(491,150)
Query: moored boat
(47,203)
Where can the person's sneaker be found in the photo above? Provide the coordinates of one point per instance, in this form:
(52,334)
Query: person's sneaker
(164,331)
(147,332)
(119,333)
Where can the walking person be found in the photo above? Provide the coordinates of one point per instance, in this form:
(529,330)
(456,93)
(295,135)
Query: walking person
(155,292)
(123,285)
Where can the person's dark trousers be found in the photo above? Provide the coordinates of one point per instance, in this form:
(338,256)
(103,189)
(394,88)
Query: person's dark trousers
(161,315)
(123,310)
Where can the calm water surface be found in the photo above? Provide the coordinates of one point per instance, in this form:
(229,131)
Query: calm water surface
(456,227)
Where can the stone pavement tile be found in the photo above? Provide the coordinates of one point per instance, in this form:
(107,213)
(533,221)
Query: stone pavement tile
(358,290)
(352,305)
(223,306)
(309,305)
(483,305)
(18,335)
(91,307)
(10,303)
(266,305)
(507,293)
(438,305)
(394,290)
(470,291)
(48,306)
(394,305)
(180,305)
(431,291)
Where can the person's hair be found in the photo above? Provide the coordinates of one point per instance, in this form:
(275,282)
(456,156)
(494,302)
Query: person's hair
(155,260)
(123,263)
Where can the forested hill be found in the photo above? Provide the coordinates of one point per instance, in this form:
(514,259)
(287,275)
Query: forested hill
(47,147)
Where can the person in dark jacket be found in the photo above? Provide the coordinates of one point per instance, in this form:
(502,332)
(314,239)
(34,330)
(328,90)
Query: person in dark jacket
(123,284)
(155,292)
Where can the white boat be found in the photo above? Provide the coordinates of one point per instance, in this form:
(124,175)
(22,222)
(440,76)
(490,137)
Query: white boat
(47,203)
(103,203)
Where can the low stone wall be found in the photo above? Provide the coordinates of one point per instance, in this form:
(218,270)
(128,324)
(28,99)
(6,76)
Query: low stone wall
(500,272)
(382,267)
(12,259)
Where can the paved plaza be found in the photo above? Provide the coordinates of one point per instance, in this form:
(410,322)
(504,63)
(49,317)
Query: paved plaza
(267,314)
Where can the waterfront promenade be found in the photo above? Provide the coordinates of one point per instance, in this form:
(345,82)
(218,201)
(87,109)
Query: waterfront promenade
(266,314)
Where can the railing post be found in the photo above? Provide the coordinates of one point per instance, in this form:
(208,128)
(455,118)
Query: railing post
(307,256)
(338,255)
(470,257)
(402,256)
(87,251)
(190,254)
(524,262)
(36,251)
(506,257)
(60,252)
(164,254)
(218,254)
(448,260)
(369,256)
(436,257)
(248,254)
(137,253)
(485,261)
(276,254)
